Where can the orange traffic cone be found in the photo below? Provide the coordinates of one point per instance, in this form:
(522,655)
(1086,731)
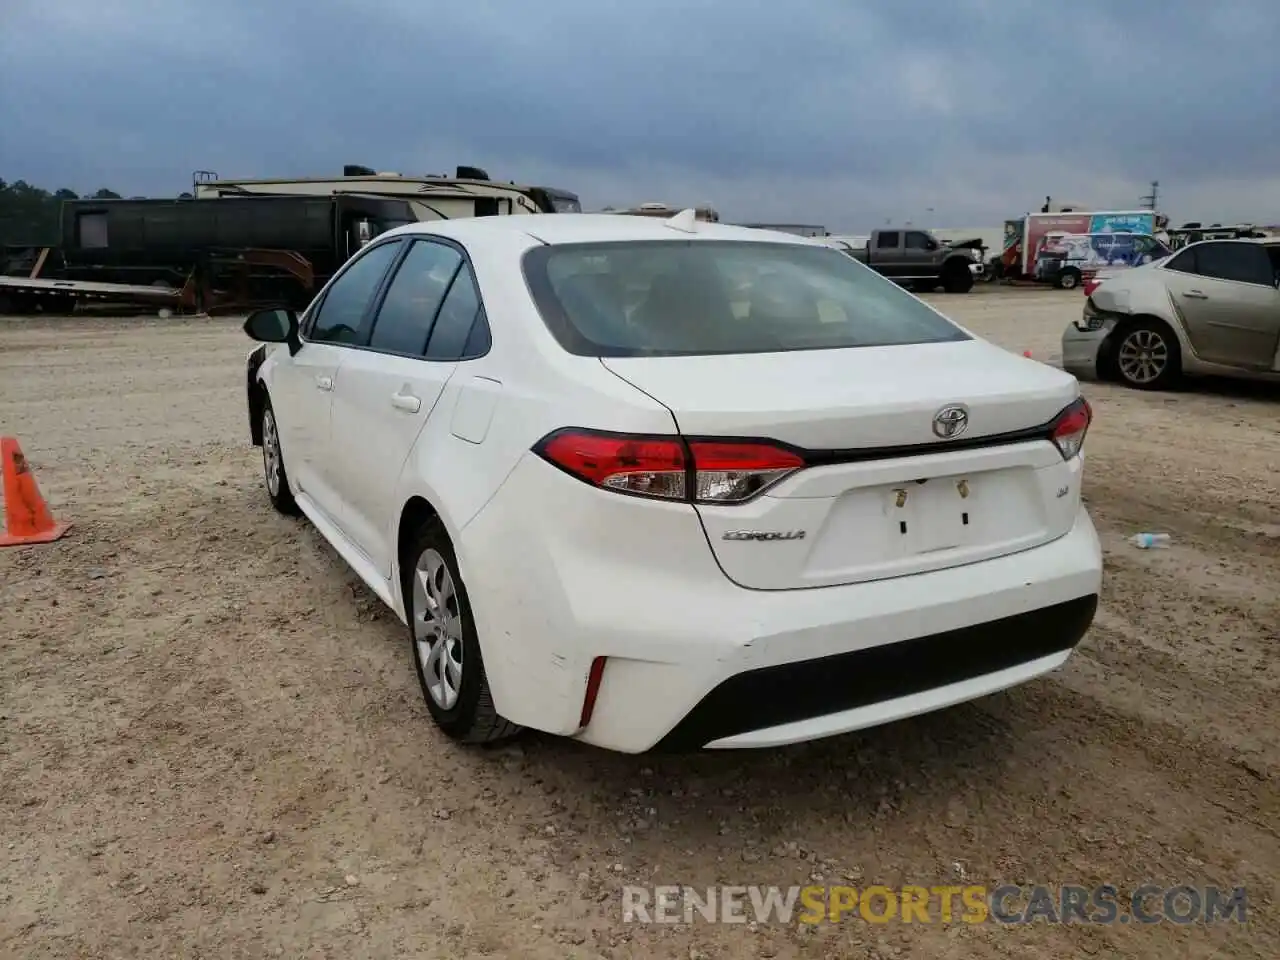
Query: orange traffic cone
(26,515)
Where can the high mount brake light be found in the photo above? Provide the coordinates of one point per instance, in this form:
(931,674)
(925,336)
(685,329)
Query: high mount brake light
(1070,427)
(670,468)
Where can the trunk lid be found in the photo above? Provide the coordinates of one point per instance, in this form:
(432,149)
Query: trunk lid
(868,508)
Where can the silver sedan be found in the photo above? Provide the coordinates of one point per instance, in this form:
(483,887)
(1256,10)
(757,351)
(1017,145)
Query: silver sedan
(1211,309)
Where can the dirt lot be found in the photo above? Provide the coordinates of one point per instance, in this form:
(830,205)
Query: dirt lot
(212,744)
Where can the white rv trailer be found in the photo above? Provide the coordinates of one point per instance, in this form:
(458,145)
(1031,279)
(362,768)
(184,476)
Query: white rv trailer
(432,197)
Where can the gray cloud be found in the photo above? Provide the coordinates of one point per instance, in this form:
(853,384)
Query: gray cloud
(830,111)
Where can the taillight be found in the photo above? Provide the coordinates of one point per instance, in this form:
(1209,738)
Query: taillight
(726,471)
(670,468)
(1070,426)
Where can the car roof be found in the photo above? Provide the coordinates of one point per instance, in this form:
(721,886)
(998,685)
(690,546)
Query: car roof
(1260,241)
(558,228)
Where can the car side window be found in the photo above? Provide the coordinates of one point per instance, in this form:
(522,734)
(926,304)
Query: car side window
(341,318)
(917,240)
(887,239)
(480,339)
(413,298)
(1241,262)
(1184,262)
(459,314)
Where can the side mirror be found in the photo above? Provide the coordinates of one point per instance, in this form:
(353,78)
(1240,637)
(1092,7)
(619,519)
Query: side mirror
(274,326)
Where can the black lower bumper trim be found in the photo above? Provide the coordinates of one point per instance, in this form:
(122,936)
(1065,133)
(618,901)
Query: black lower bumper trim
(791,692)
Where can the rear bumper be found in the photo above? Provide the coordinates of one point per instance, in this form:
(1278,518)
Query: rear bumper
(868,687)
(560,575)
(1081,350)
(799,665)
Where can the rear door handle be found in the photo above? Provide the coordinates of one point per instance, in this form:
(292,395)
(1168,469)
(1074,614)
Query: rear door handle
(324,383)
(1196,295)
(406,402)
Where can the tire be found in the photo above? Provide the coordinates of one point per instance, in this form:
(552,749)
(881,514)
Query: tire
(1145,355)
(454,685)
(274,476)
(957,277)
(1068,279)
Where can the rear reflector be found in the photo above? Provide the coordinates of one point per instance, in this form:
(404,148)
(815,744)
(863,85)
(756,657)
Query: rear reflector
(594,676)
(670,468)
(1070,426)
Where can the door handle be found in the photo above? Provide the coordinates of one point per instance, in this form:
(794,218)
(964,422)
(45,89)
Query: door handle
(324,383)
(1196,295)
(406,402)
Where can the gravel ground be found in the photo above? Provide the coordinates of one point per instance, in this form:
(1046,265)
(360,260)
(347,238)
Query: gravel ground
(212,743)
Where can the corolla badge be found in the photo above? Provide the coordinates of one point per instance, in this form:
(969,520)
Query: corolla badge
(763,535)
(950,421)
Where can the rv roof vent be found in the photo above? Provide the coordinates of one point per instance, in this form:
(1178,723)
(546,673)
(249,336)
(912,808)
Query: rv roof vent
(653,206)
(472,173)
(355,170)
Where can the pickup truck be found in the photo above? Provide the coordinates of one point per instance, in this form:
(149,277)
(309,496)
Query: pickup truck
(913,257)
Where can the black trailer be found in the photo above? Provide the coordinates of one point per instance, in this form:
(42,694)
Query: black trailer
(215,251)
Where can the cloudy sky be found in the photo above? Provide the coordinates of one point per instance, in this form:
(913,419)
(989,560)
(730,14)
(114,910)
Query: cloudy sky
(842,112)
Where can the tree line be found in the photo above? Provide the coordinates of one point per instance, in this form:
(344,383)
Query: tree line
(31,214)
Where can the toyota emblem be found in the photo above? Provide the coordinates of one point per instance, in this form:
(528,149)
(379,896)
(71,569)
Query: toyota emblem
(950,422)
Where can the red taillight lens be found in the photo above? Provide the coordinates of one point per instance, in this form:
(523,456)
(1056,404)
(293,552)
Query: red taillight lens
(1070,426)
(670,468)
(650,466)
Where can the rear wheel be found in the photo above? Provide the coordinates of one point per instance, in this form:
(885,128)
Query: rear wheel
(1069,279)
(1146,356)
(446,646)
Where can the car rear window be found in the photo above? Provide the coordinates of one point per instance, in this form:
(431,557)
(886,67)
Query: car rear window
(696,297)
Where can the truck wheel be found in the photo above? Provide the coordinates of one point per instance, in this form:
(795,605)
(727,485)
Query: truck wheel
(61,305)
(1069,279)
(22,304)
(957,277)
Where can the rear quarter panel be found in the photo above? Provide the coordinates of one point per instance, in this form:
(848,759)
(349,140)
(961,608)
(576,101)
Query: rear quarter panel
(1140,292)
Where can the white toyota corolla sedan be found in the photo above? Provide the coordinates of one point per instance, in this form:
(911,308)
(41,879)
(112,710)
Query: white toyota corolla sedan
(665,484)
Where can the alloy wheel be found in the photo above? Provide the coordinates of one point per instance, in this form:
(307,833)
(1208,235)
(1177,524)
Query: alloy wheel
(1143,356)
(437,628)
(271,452)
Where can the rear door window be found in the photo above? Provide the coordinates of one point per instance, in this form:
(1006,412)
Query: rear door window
(458,314)
(1241,262)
